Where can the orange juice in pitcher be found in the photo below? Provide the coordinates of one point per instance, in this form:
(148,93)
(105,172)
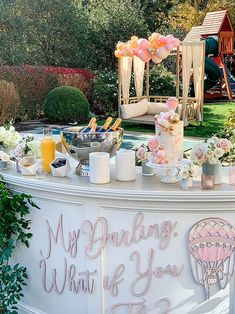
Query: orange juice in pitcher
(47,149)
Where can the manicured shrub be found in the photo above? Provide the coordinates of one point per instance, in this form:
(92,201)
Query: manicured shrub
(9,101)
(34,83)
(66,104)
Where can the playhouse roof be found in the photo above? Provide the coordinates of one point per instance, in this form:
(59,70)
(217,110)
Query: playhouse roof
(214,22)
(194,34)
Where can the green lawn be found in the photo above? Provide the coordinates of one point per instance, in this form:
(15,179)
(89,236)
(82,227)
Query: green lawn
(214,116)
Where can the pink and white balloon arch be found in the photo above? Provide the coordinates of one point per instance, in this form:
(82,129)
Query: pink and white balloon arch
(156,48)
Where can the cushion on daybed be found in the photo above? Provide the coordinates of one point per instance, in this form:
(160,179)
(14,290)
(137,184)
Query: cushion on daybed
(156,107)
(135,110)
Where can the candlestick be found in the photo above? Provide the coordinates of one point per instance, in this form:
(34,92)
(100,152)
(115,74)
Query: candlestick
(125,165)
(99,167)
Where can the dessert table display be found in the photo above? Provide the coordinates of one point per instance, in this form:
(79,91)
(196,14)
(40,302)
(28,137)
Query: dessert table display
(127,247)
(109,240)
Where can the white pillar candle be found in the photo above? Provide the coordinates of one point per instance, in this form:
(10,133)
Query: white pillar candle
(99,164)
(218,173)
(125,165)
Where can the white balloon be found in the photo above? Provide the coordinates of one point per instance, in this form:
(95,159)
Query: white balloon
(162,53)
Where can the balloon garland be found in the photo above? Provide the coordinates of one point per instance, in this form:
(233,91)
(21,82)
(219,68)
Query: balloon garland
(157,47)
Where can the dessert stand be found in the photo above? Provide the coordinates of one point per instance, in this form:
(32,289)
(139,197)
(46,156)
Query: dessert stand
(170,171)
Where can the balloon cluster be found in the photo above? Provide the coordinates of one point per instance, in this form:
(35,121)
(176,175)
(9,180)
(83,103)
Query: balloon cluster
(157,47)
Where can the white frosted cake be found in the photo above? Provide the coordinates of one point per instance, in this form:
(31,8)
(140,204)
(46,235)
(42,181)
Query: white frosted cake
(167,145)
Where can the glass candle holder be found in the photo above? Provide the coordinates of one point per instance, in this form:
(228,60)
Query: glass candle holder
(232,175)
(207,181)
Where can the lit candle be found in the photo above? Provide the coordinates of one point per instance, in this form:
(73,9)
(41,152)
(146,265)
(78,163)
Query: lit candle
(125,165)
(207,181)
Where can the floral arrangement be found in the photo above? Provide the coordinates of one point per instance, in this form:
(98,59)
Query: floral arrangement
(141,154)
(210,151)
(9,138)
(27,146)
(4,156)
(186,170)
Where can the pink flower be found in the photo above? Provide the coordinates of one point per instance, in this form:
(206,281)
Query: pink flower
(225,145)
(141,153)
(153,144)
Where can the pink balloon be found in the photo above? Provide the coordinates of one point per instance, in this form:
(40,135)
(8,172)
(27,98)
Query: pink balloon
(162,53)
(172,103)
(162,39)
(144,55)
(156,59)
(161,154)
(136,52)
(169,46)
(176,42)
(143,44)
(169,39)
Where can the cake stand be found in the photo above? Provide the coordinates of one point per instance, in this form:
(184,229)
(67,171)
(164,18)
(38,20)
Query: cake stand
(170,175)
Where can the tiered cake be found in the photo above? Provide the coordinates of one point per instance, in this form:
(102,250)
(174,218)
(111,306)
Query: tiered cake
(167,145)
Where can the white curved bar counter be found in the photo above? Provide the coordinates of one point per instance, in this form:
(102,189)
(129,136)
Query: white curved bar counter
(127,247)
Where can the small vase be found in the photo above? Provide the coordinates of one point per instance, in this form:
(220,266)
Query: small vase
(208,169)
(186,184)
(3,165)
(146,170)
(218,173)
(207,182)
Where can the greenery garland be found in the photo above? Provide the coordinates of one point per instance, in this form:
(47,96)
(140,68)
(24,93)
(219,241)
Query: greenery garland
(14,228)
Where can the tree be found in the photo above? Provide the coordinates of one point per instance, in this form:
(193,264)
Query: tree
(192,12)
(156,13)
(51,32)
(111,21)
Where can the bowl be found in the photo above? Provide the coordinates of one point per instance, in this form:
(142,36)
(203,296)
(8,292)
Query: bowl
(79,145)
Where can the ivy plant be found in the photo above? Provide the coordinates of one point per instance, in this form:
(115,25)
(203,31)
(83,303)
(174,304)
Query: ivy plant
(14,229)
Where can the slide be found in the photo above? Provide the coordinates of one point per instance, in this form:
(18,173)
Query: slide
(212,70)
(231,80)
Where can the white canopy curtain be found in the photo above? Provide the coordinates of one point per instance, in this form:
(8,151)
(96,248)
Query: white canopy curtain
(198,50)
(139,67)
(187,60)
(126,68)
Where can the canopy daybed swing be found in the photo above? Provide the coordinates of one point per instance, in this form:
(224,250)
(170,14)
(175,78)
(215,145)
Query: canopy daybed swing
(143,107)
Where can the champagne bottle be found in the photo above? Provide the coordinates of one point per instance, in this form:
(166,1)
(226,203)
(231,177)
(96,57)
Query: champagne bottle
(88,128)
(115,126)
(93,128)
(105,127)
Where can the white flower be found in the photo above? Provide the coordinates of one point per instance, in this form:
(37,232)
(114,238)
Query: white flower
(4,156)
(209,153)
(213,160)
(213,140)
(184,173)
(219,152)
(35,148)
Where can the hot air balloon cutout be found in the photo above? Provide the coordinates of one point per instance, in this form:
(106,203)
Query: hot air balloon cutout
(211,244)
